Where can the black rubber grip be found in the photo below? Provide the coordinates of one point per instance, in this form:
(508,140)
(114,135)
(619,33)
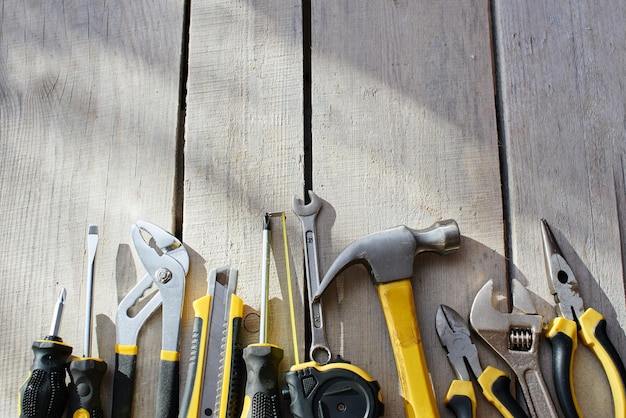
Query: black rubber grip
(562,353)
(168,385)
(262,362)
(84,389)
(603,337)
(44,393)
(193,366)
(123,385)
(461,406)
(237,374)
(501,390)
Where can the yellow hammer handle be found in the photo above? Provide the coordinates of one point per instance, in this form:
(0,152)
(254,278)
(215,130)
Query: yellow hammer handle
(398,306)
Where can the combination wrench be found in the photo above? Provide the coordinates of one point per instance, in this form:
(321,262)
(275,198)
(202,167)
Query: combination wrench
(319,352)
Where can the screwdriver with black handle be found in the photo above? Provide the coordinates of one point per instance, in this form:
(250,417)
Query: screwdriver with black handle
(44,393)
(261,395)
(86,372)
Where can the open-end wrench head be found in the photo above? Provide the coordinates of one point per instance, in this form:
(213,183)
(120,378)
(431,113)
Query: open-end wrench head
(309,209)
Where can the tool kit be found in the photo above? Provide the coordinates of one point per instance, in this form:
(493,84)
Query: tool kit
(227,380)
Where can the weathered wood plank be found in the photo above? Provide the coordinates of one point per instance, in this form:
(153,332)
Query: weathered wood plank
(404,132)
(88,114)
(244,151)
(562,82)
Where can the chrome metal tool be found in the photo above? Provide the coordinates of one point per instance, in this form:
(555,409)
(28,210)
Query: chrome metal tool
(515,337)
(166,263)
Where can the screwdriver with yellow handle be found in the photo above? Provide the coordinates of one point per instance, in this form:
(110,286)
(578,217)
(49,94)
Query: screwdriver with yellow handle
(573,322)
(44,393)
(86,372)
(261,398)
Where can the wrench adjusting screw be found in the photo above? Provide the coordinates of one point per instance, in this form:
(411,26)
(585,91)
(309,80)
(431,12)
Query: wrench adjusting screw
(520,339)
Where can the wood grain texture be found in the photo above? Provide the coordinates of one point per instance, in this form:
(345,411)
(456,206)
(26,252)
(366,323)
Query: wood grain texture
(88,113)
(404,132)
(244,152)
(562,83)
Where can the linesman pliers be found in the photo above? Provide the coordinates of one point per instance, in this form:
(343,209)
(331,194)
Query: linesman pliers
(573,321)
(166,263)
(463,355)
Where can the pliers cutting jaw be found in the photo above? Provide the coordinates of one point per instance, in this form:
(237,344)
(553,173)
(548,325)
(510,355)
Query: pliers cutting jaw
(463,355)
(167,264)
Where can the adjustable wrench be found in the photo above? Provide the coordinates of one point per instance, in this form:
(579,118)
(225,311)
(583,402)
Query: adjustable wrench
(515,337)
(319,352)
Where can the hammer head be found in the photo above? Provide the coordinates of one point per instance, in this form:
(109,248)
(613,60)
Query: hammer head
(388,255)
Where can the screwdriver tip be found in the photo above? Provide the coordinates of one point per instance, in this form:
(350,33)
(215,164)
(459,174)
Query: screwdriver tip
(62,295)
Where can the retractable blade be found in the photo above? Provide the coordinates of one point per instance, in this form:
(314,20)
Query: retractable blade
(216,369)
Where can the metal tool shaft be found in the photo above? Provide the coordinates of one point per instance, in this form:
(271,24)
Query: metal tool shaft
(58,313)
(92,245)
(265,268)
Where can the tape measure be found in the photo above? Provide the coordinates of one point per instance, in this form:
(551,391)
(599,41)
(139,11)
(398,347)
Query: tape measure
(338,389)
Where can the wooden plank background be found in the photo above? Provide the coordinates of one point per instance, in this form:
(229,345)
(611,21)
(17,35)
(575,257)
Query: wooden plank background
(202,116)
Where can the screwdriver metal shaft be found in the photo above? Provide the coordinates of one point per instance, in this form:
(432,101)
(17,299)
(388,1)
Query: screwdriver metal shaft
(44,393)
(262,359)
(86,372)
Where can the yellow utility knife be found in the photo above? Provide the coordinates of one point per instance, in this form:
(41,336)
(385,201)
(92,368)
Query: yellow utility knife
(216,377)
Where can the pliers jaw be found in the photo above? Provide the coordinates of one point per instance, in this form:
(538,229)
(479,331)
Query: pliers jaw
(455,337)
(166,263)
(561,279)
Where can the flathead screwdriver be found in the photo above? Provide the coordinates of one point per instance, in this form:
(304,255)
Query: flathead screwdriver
(86,372)
(44,393)
(261,395)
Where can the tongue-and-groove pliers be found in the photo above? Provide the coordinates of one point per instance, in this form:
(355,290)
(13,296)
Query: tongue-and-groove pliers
(575,321)
(166,263)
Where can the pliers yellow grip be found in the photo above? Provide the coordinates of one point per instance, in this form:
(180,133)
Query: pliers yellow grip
(463,355)
(574,321)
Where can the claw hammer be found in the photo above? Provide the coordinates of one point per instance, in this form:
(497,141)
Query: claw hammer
(388,256)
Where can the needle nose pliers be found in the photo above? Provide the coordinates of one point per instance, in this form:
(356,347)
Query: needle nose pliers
(573,321)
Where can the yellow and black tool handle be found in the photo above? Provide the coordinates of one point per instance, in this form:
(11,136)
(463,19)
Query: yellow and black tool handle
(562,334)
(237,380)
(496,387)
(86,375)
(124,380)
(593,334)
(338,389)
(261,395)
(44,393)
(168,385)
(192,393)
(461,399)
(234,378)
